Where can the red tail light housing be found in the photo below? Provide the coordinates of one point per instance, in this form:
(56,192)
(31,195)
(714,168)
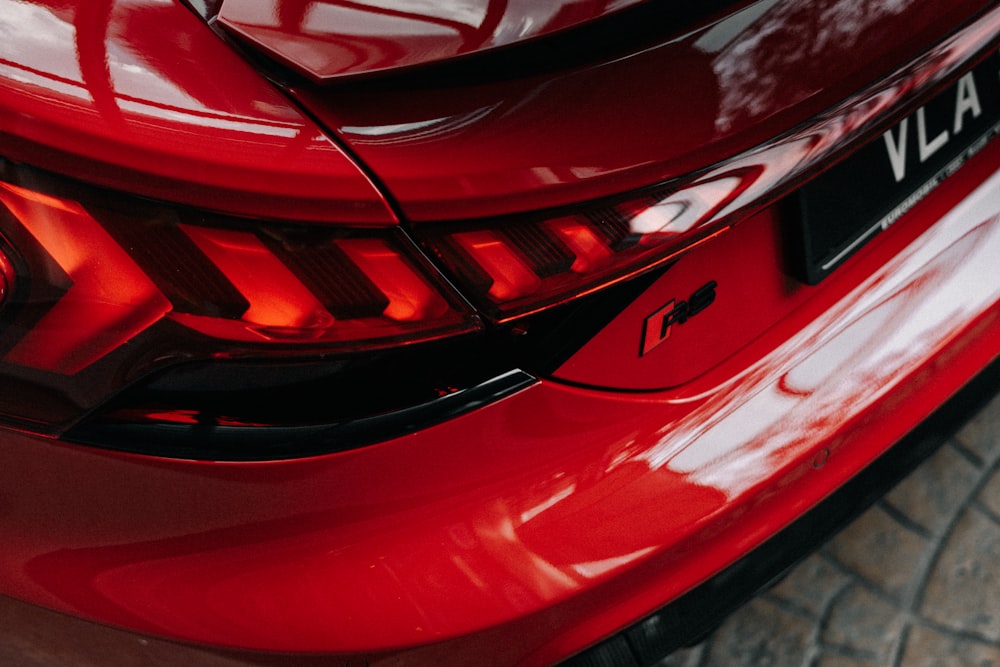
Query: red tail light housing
(101,289)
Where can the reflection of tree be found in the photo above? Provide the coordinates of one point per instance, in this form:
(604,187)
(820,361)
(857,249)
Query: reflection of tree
(330,37)
(814,39)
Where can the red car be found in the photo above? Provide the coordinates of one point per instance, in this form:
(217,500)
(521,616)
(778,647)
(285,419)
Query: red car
(476,331)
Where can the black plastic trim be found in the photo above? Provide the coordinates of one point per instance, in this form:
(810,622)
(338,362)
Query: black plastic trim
(693,616)
(209,441)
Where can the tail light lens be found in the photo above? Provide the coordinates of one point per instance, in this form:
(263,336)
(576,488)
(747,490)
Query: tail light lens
(513,268)
(100,289)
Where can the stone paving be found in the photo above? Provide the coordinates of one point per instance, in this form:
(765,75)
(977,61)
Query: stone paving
(913,582)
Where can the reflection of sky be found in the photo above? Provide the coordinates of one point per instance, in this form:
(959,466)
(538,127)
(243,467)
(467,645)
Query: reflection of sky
(331,36)
(405,18)
(422,130)
(525,17)
(468,12)
(36,38)
(133,78)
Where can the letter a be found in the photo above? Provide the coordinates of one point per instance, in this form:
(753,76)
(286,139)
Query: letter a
(967,99)
(897,150)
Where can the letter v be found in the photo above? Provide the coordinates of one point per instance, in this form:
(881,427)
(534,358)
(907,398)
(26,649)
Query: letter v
(897,150)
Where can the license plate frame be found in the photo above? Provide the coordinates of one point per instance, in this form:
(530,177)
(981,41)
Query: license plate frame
(845,207)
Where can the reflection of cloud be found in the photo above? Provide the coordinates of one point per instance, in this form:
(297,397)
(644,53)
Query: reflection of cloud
(36,39)
(328,38)
(753,68)
(524,18)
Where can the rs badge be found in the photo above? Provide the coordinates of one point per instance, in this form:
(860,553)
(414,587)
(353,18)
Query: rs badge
(659,325)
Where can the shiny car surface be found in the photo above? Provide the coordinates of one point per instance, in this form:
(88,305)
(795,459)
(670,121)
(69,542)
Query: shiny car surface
(406,332)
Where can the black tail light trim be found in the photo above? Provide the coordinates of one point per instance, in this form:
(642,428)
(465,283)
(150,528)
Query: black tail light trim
(211,410)
(209,440)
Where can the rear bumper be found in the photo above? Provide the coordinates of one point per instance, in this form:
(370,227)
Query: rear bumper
(691,617)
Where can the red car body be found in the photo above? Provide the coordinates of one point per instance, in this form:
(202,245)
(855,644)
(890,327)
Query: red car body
(597,375)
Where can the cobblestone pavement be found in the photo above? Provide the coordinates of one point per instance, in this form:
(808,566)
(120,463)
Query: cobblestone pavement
(913,582)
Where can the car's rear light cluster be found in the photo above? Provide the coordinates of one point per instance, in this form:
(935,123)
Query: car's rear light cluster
(100,289)
(517,267)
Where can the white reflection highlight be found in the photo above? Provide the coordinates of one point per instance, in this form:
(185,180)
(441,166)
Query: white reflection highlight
(36,38)
(251,127)
(687,209)
(468,12)
(847,359)
(530,514)
(419,130)
(362,22)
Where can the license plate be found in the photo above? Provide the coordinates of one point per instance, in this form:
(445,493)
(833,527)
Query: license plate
(845,207)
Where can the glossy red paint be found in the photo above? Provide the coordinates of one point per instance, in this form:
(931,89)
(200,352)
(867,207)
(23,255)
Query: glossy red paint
(750,297)
(468,536)
(535,525)
(325,39)
(92,90)
(525,142)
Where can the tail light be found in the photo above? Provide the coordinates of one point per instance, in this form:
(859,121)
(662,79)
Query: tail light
(103,289)
(100,289)
(123,311)
(514,268)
